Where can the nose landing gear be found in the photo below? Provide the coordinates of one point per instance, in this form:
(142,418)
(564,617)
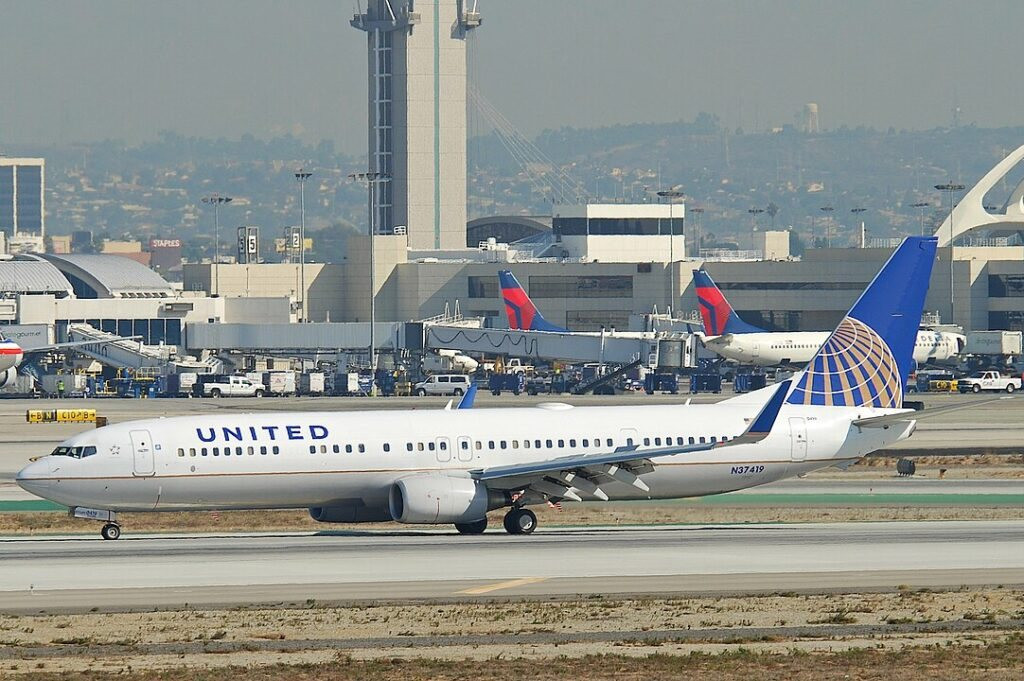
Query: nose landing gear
(111,531)
(520,521)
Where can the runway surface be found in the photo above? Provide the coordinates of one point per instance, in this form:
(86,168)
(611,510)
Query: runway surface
(144,572)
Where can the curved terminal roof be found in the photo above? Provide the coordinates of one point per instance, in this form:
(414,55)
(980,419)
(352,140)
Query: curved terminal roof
(31,274)
(109,276)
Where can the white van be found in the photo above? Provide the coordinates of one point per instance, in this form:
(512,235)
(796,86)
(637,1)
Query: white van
(443,384)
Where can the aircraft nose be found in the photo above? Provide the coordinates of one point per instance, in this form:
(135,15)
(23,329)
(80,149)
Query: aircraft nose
(37,476)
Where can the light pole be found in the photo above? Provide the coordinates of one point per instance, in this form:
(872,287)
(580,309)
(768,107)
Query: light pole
(827,210)
(754,212)
(863,233)
(372,179)
(950,188)
(301,175)
(670,195)
(921,205)
(216,200)
(699,212)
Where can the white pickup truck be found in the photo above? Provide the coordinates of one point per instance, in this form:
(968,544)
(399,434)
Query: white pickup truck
(988,380)
(232,386)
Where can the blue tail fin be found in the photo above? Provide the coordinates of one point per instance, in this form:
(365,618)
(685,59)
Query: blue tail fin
(866,360)
(523,315)
(715,311)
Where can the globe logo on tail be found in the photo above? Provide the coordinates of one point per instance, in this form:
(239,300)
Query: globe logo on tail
(854,368)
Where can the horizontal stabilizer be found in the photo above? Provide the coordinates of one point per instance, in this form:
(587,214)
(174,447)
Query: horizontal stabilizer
(911,415)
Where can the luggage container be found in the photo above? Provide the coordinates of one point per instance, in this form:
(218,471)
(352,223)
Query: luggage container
(312,383)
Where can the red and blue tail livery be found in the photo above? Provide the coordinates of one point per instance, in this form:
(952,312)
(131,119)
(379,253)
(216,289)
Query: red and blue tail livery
(866,360)
(715,311)
(523,315)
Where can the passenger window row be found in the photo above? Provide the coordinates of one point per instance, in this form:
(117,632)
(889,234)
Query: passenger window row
(228,451)
(336,449)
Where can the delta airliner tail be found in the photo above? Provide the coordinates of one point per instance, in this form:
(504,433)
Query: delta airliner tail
(866,361)
(523,315)
(716,312)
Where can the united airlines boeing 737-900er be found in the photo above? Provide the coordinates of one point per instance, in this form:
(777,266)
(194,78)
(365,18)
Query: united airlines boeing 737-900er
(732,338)
(454,466)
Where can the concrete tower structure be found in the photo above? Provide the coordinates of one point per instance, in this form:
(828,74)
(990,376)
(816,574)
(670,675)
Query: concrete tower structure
(23,197)
(417,117)
(810,122)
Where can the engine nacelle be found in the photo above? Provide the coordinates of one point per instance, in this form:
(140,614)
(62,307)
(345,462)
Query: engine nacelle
(8,377)
(436,498)
(350,513)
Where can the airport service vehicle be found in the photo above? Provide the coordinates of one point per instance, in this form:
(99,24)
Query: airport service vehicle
(231,386)
(732,338)
(455,465)
(442,384)
(988,380)
(449,361)
(999,343)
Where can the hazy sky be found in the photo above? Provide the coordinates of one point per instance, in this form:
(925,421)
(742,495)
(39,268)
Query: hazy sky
(82,71)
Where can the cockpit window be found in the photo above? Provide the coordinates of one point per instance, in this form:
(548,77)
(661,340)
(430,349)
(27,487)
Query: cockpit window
(74,452)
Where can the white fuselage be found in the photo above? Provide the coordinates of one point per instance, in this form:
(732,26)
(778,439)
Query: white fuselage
(11,355)
(350,460)
(798,347)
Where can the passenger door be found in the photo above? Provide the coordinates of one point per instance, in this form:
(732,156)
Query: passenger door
(142,453)
(443,449)
(798,435)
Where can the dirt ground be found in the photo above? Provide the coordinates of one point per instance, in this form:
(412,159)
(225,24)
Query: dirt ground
(781,636)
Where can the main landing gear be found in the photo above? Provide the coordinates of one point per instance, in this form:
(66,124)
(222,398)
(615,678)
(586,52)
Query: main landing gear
(111,531)
(520,521)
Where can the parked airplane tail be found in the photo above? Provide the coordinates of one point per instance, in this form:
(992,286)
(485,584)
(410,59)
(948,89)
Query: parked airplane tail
(523,315)
(867,359)
(716,312)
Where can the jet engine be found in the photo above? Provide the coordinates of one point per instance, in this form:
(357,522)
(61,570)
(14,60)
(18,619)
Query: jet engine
(434,498)
(8,377)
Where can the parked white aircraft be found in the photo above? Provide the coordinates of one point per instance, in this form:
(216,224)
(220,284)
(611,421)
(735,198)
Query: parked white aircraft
(732,338)
(453,466)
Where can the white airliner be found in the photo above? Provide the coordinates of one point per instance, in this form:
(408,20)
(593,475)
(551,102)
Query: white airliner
(453,466)
(732,338)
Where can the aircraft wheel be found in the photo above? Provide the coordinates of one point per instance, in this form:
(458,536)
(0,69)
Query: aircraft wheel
(111,531)
(475,527)
(520,521)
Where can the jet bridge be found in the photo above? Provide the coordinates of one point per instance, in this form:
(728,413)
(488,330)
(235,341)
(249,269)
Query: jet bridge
(118,352)
(664,350)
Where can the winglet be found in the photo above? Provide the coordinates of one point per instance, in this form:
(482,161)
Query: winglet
(467,400)
(762,424)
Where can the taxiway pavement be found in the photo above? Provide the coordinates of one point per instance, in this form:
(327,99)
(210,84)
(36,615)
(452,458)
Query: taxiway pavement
(157,571)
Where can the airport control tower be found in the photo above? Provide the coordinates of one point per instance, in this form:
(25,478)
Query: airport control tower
(417,116)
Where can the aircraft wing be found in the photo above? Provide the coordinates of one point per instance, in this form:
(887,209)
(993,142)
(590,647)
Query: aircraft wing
(563,477)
